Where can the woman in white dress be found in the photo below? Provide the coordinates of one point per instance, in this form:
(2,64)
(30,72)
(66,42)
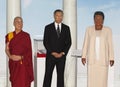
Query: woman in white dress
(98,52)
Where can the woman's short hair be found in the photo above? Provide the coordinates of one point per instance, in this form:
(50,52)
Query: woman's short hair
(99,13)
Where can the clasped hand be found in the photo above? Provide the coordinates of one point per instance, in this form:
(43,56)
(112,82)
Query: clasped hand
(57,55)
(15,57)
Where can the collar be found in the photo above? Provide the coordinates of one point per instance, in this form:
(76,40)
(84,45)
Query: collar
(56,25)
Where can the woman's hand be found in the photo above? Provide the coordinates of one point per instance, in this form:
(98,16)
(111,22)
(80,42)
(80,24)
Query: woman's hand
(83,61)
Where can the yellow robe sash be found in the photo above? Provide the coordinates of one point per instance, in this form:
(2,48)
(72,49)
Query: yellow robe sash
(10,37)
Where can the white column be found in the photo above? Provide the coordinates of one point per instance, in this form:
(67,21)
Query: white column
(13,10)
(70,18)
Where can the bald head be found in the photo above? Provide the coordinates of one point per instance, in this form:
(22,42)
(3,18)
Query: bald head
(18,23)
(18,18)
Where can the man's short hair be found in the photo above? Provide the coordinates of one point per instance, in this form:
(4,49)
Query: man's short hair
(99,13)
(58,10)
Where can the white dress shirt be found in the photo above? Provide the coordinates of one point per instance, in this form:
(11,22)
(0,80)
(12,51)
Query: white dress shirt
(56,25)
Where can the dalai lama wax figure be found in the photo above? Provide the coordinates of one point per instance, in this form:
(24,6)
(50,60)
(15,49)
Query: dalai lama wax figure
(19,52)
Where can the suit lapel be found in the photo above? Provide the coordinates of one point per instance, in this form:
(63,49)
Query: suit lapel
(62,30)
(54,30)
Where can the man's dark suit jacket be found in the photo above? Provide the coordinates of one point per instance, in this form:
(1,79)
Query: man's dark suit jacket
(54,44)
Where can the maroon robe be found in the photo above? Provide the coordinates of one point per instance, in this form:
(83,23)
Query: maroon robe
(21,75)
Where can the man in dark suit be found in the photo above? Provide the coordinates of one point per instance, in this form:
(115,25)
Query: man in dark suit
(57,41)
